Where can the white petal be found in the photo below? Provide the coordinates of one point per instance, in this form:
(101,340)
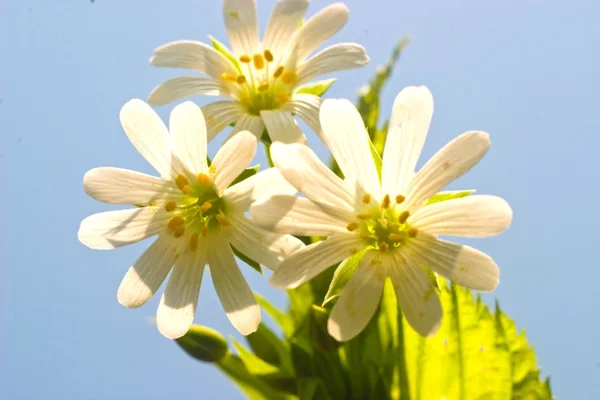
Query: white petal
(148,272)
(297,216)
(417,298)
(345,135)
(241,23)
(123,186)
(451,162)
(306,106)
(285,19)
(339,57)
(265,247)
(220,114)
(463,265)
(179,301)
(359,300)
(471,216)
(232,158)
(236,297)
(188,131)
(251,123)
(193,55)
(266,183)
(184,86)
(411,115)
(319,28)
(112,229)
(313,259)
(148,134)
(301,167)
(282,127)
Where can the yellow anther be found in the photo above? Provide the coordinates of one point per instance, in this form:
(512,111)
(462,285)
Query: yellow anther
(385,203)
(245,58)
(186,189)
(278,72)
(204,230)
(403,217)
(223,220)
(268,56)
(179,231)
(282,97)
(352,226)
(175,222)
(259,61)
(205,207)
(181,181)
(364,216)
(194,242)
(400,199)
(228,77)
(366,198)
(263,87)
(241,79)
(365,235)
(396,237)
(204,179)
(170,206)
(412,232)
(383,246)
(289,77)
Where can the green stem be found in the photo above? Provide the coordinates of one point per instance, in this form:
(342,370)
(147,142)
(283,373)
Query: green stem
(456,327)
(403,375)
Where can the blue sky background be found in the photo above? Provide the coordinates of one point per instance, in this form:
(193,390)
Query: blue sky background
(526,71)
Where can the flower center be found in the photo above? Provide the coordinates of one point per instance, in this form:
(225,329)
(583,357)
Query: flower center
(263,84)
(383,226)
(200,211)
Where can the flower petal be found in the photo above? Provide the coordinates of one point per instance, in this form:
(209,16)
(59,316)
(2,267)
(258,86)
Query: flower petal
(345,135)
(148,134)
(112,229)
(242,26)
(319,28)
(284,21)
(282,127)
(451,162)
(306,106)
(297,216)
(123,186)
(471,216)
(301,167)
(463,265)
(148,272)
(411,115)
(339,57)
(220,114)
(358,301)
(232,158)
(266,183)
(194,55)
(179,301)
(265,247)
(234,293)
(313,259)
(188,131)
(416,295)
(184,86)
(251,123)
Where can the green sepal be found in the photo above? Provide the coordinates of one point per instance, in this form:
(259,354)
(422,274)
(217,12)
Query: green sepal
(221,48)
(317,88)
(245,174)
(255,266)
(342,275)
(321,339)
(448,195)
(376,158)
(203,343)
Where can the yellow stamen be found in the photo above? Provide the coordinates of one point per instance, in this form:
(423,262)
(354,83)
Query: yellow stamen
(278,72)
(263,87)
(383,246)
(412,232)
(194,242)
(181,181)
(204,230)
(289,77)
(204,179)
(241,79)
(170,206)
(385,203)
(268,55)
(175,222)
(366,198)
(179,231)
(400,199)
(365,235)
(364,216)
(259,61)
(282,98)
(245,58)
(228,77)
(186,189)
(395,237)
(403,217)
(223,220)
(205,207)
(352,226)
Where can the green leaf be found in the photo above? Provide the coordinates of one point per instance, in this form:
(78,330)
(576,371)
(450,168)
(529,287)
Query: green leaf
(221,48)
(270,348)
(317,88)
(203,343)
(280,318)
(449,195)
(318,330)
(313,389)
(254,364)
(247,173)
(342,275)
(256,266)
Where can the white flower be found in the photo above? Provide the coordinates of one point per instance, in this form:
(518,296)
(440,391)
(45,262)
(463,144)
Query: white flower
(387,216)
(262,78)
(193,210)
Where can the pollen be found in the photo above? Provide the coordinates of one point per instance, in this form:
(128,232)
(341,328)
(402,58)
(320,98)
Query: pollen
(289,77)
(245,58)
(222,220)
(400,199)
(364,216)
(175,222)
(383,247)
(366,198)
(181,182)
(263,87)
(205,207)
(396,237)
(259,61)
(385,203)
(352,226)
(412,232)
(204,179)
(268,56)
(170,206)
(194,242)
(179,231)
(241,79)
(234,14)
(403,217)
(278,72)
(228,77)
(282,98)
